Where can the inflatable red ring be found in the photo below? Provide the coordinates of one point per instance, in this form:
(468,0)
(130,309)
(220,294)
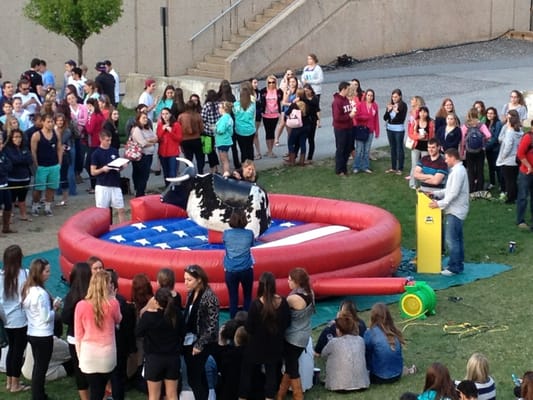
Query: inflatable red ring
(370,248)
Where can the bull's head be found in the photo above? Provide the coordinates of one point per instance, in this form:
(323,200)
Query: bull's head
(177,193)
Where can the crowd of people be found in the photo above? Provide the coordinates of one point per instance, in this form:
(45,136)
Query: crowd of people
(225,129)
(50,137)
(487,136)
(161,345)
(166,345)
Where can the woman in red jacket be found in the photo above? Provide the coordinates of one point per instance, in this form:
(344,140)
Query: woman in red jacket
(366,114)
(93,127)
(170,136)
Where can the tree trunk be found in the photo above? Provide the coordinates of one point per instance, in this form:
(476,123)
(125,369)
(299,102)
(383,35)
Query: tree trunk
(80,53)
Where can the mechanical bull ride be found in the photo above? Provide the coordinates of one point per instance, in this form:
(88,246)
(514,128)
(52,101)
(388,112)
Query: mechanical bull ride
(210,200)
(348,248)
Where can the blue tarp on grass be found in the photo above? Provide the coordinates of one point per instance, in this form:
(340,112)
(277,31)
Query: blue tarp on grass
(326,309)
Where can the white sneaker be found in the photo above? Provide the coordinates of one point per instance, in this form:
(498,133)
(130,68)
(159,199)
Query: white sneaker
(447,272)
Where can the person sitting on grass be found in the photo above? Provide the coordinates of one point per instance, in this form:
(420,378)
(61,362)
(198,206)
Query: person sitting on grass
(525,390)
(330,331)
(477,370)
(384,341)
(467,390)
(346,368)
(438,384)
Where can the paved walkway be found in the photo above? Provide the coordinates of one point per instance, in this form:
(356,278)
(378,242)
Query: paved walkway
(484,71)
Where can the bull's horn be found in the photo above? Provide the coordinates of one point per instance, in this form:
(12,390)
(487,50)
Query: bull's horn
(178,178)
(186,161)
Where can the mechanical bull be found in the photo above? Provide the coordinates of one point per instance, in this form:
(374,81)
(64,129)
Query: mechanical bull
(210,199)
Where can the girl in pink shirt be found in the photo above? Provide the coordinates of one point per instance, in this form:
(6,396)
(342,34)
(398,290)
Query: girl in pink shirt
(367,114)
(95,319)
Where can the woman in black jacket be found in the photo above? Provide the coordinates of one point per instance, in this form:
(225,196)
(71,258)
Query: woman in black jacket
(18,179)
(79,283)
(395,115)
(201,328)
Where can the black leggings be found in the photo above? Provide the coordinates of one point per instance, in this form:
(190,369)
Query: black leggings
(270,127)
(291,355)
(192,148)
(17,344)
(510,175)
(248,371)
(246,145)
(19,190)
(81,379)
(196,372)
(41,348)
(97,384)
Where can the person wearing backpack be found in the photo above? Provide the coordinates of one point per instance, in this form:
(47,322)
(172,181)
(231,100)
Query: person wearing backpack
(475,135)
(509,138)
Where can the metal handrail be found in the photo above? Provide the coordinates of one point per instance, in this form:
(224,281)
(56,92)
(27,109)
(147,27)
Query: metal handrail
(214,21)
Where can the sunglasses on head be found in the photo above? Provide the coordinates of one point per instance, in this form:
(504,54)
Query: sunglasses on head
(192,269)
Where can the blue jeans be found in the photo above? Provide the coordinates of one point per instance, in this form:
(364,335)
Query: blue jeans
(397,156)
(67,174)
(362,154)
(140,174)
(169,166)
(246,279)
(525,188)
(416,155)
(344,144)
(298,139)
(455,243)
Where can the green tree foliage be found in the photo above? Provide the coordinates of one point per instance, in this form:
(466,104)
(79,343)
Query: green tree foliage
(77,20)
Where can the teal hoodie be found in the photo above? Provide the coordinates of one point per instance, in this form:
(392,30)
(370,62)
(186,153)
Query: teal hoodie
(224,131)
(244,119)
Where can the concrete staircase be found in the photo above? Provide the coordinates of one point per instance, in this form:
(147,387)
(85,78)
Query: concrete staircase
(214,64)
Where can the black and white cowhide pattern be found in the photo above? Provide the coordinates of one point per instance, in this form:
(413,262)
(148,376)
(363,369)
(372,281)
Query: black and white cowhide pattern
(213,199)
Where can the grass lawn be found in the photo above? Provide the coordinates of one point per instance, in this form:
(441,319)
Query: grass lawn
(498,306)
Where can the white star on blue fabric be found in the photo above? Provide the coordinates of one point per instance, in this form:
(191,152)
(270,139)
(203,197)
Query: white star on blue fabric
(203,238)
(162,246)
(180,233)
(159,228)
(287,224)
(183,248)
(117,238)
(139,225)
(142,242)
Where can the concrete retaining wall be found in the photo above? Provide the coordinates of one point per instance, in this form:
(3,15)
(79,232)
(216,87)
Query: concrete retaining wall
(368,28)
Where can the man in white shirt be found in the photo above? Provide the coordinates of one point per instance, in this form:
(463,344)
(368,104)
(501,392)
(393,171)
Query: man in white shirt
(454,200)
(75,79)
(30,101)
(114,74)
(147,98)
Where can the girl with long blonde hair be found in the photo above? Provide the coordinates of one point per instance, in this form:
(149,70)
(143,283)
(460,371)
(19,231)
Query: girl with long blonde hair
(95,319)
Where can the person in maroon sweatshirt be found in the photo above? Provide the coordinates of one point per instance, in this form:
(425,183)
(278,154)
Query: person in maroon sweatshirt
(342,127)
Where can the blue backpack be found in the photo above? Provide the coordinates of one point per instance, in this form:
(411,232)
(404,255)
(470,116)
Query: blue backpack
(474,139)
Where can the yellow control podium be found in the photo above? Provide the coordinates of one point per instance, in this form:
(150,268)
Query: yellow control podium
(428,236)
